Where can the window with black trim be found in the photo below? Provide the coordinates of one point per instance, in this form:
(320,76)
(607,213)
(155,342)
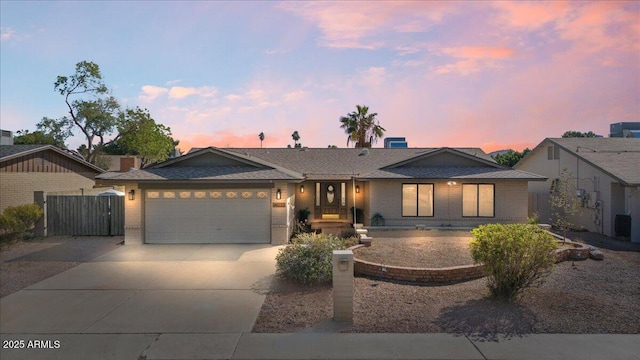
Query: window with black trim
(417,199)
(478,200)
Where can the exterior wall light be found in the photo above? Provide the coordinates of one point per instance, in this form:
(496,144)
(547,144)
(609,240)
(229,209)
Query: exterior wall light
(357,189)
(451,183)
(132,194)
(302,189)
(278,194)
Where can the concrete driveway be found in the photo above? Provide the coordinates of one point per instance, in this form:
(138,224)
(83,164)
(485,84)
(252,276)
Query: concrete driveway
(120,304)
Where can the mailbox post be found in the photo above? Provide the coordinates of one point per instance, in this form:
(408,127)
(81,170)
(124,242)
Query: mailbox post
(343,286)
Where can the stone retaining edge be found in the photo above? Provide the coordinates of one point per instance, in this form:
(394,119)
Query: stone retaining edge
(449,274)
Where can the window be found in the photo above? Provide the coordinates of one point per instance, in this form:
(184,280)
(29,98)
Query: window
(417,199)
(553,152)
(478,200)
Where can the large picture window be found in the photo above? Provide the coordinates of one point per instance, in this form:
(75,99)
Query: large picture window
(478,200)
(417,199)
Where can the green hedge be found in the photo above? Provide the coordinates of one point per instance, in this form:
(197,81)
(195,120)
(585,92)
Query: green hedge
(308,259)
(515,257)
(18,220)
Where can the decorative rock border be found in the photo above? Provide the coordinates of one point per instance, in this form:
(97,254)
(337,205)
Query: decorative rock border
(422,275)
(578,251)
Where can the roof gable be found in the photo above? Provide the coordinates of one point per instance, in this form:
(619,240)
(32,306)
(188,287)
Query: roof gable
(213,157)
(446,157)
(618,157)
(11,152)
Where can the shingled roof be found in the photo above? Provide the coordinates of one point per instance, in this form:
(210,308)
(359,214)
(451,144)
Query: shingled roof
(298,164)
(8,152)
(618,157)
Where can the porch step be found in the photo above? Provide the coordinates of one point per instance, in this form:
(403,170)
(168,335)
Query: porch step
(335,228)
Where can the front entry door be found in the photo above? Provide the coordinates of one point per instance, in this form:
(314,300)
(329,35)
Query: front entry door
(331,201)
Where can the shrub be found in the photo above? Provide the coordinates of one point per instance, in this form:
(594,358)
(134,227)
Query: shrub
(19,219)
(377,220)
(308,259)
(515,257)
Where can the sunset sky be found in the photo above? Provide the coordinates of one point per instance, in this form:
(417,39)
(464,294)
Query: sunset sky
(493,75)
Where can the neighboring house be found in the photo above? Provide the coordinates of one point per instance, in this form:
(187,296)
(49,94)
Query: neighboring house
(122,162)
(606,172)
(28,168)
(214,195)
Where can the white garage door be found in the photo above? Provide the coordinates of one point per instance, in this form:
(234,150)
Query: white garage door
(207,216)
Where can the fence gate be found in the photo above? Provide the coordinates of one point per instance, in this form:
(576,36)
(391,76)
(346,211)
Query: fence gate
(85,215)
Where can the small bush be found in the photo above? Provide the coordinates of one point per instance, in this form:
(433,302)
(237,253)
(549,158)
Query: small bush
(515,257)
(308,259)
(377,220)
(19,219)
(348,233)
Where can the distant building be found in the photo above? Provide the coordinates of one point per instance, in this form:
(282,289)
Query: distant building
(625,129)
(499,152)
(395,142)
(7,138)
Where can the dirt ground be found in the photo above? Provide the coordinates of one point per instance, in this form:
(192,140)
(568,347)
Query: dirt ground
(583,297)
(27,262)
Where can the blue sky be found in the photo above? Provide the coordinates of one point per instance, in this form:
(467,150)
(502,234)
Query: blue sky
(486,74)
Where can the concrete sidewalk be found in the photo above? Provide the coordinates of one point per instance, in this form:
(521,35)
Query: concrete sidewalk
(201,302)
(325,346)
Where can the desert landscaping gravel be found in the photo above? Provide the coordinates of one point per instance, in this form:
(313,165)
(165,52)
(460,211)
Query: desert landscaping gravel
(27,262)
(583,297)
(421,249)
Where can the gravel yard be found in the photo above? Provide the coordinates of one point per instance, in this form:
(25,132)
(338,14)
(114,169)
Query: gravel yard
(425,249)
(27,262)
(590,297)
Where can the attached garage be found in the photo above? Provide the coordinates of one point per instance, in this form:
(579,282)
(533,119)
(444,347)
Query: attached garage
(220,216)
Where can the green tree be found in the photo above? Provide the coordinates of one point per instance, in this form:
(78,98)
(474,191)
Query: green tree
(577,134)
(563,202)
(261,137)
(511,157)
(91,109)
(141,135)
(99,117)
(24,137)
(362,127)
(296,136)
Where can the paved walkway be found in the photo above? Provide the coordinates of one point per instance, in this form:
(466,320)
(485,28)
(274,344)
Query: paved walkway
(201,301)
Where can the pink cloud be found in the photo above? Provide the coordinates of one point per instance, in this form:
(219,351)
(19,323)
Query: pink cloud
(479,52)
(150,92)
(355,24)
(6,34)
(464,67)
(475,58)
(601,26)
(178,92)
(531,15)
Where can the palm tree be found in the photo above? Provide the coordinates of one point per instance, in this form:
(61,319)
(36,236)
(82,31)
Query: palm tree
(261,136)
(361,127)
(295,136)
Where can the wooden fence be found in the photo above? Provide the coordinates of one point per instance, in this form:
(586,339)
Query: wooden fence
(85,215)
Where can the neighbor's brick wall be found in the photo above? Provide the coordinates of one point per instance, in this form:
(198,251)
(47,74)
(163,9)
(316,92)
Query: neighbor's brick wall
(510,204)
(18,188)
